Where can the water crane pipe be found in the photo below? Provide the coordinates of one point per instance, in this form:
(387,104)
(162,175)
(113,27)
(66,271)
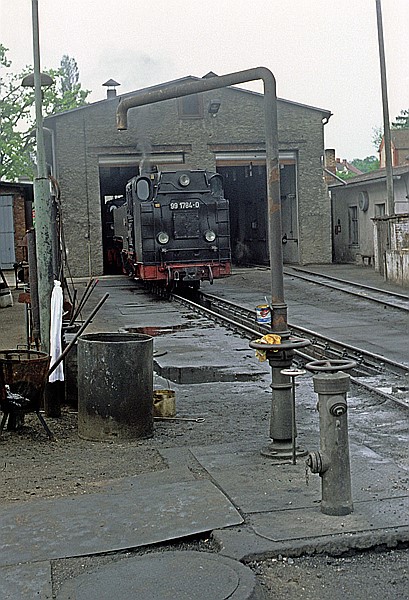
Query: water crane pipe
(278,305)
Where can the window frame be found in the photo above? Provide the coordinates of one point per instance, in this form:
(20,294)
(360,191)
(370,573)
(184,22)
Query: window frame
(181,103)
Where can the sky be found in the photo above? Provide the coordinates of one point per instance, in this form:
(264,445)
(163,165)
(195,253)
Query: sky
(323,53)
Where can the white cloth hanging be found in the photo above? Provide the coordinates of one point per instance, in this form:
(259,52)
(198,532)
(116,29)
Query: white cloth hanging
(55,332)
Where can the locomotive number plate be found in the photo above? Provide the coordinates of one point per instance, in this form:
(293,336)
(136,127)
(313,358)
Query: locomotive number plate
(183,205)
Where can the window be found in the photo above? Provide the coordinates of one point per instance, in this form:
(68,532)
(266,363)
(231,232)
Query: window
(353,225)
(190,107)
(380,210)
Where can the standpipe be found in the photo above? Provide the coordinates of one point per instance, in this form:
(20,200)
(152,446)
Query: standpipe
(281,356)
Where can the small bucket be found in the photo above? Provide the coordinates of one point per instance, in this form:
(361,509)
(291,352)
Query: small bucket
(263,314)
(164,403)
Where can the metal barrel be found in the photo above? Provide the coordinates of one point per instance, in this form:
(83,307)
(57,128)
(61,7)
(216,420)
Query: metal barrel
(25,371)
(115,386)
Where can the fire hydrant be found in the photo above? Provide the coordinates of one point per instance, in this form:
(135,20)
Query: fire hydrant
(331,462)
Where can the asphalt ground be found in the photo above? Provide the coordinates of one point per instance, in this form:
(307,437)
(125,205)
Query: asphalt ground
(217,481)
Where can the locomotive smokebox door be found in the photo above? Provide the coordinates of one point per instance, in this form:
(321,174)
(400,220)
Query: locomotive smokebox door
(186,225)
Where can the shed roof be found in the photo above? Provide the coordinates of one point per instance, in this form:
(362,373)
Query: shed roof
(326,113)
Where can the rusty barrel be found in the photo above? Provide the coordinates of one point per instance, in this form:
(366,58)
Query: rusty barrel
(25,372)
(115,386)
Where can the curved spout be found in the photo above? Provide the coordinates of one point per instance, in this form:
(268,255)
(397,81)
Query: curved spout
(193,87)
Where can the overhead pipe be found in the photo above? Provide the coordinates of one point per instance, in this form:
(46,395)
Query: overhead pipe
(278,305)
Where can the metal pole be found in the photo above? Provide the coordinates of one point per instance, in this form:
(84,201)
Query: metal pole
(386,124)
(42,202)
(33,279)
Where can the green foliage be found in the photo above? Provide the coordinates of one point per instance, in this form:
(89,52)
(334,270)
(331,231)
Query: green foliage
(377,136)
(17,118)
(345,175)
(370,163)
(402,120)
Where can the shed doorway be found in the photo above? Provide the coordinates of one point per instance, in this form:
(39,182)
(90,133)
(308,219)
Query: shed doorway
(245,186)
(115,170)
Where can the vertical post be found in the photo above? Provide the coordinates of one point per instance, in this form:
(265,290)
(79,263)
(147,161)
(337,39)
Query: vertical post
(42,202)
(33,280)
(386,124)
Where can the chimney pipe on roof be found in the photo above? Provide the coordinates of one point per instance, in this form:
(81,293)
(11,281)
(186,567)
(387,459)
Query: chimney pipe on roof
(111,84)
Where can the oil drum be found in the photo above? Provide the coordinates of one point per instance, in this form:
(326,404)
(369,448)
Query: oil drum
(115,386)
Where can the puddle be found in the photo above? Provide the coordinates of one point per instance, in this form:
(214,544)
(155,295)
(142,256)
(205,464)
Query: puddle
(386,390)
(156,331)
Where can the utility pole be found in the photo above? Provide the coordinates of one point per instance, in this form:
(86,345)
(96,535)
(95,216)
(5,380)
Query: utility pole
(42,201)
(386,124)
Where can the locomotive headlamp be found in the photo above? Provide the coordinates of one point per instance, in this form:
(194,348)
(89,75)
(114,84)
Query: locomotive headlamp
(162,237)
(184,180)
(210,235)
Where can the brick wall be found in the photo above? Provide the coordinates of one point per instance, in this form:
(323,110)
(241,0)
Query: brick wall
(83,135)
(19,227)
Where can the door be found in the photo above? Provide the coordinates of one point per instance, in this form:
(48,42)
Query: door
(7,253)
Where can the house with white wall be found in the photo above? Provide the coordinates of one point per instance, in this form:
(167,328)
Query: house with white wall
(363,232)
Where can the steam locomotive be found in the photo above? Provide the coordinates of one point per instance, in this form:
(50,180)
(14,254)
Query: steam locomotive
(174,228)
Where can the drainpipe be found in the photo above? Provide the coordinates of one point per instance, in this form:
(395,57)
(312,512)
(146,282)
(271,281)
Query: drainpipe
(278,305)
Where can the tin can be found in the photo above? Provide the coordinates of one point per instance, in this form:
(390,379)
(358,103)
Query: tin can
(263,314)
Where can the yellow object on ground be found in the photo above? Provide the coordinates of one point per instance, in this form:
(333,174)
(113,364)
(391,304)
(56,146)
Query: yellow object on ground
(270,339)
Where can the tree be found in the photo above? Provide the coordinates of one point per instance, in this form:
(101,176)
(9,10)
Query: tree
(17,118)
(70,74)
(370,163)
(377,137)
(402,120)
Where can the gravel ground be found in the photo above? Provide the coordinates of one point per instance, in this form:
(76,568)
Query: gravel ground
(368,576)
(32,467)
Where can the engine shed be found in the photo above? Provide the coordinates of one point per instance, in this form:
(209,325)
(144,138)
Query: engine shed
(93,162)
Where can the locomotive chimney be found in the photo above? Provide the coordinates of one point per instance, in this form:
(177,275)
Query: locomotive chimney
(111,84)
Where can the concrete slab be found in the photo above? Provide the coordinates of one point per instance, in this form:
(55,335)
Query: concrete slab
(285,525)
(256,484)
(167,576)
(95,523)
(26,581)
(205,355)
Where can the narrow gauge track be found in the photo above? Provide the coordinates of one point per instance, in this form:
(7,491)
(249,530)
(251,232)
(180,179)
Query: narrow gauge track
(373,372)
(386,298)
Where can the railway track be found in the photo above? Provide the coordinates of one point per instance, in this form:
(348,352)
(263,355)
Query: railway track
(390,299)
(373,372)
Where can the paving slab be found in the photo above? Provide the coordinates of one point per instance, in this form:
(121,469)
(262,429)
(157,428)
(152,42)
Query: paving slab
(96,523)
(26,581)
(298,524)
(257,484)
(167,576)
(205,355)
